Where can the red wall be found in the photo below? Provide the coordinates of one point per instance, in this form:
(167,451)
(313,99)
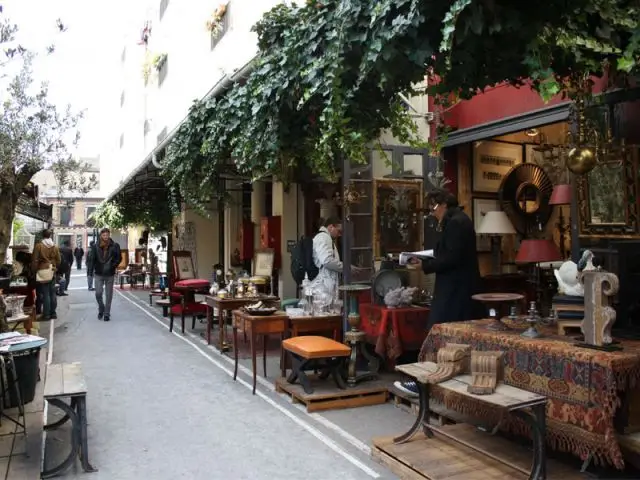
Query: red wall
(501,102)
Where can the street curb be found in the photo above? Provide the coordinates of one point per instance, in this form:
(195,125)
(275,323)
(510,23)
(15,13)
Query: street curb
(45,409)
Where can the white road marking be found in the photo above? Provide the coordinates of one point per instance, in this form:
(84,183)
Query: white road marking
(307,426)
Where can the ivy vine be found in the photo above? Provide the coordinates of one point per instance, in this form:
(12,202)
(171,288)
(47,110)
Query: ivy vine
(328,74)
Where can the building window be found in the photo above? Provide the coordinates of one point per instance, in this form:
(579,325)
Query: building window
(163,7)
(162,70)
(224,28)
(121,140)
(123,55)
(122,99)
(88,211)
(65,216)
(146,127)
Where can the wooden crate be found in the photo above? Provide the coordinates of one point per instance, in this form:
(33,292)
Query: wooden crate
(441,458)
(326,396)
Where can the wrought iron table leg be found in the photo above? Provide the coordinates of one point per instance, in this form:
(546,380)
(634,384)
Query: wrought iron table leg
(75,443)
(63,420)
(84,447)
(423,416)
(537,419)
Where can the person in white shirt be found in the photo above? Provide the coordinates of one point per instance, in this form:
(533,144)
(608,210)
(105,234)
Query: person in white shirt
(326,256)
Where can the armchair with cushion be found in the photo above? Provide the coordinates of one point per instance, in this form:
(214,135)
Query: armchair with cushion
(182,289)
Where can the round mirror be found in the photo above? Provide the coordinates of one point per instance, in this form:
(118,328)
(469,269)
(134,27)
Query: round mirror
(528,198)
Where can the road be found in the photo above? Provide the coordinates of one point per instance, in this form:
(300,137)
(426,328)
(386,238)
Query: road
(162,406)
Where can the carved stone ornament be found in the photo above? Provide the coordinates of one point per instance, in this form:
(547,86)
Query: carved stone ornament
(452,360)
(486,372)
(599,316)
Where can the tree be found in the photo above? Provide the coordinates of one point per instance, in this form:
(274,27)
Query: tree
(34,134)
(73,179)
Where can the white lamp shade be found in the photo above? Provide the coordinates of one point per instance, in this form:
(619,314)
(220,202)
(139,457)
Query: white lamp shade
(496,223)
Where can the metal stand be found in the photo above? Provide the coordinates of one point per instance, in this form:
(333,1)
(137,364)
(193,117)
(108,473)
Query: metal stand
(8,360)
(356,339)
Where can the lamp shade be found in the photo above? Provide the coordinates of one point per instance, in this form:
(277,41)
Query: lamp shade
(561,195)
(496,223)
(538,251)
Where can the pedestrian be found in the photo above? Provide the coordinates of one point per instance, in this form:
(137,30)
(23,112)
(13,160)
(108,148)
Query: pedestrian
(105,258)
(455,264)
(79,254)
(65,269)
(45,261)
(89,266)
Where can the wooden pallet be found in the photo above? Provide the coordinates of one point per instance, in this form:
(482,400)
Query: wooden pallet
(326,396)
(441,458)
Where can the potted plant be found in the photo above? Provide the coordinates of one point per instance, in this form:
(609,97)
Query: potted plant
(214,24)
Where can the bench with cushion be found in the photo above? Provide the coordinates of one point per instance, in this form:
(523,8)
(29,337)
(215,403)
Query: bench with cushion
(316,353)
(64,381)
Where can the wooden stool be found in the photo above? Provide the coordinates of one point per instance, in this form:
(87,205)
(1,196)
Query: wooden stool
(311,352)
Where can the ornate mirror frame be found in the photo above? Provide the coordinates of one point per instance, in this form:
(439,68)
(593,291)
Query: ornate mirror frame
(629,184)
(384,185)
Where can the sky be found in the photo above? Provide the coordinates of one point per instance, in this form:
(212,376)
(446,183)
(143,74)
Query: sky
(85,61)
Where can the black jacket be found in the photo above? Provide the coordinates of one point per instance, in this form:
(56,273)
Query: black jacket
(66,254)
(78,252)
(457,272)
(103,262)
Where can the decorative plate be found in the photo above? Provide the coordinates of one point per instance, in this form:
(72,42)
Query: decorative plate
(386,280)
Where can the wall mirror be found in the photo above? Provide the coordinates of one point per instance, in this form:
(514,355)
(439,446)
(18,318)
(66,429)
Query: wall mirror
(397,219)
(607,197)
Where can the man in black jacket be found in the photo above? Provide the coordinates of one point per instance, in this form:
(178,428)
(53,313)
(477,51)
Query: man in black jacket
(78,253)
(66,254)
(104,260)
(455,264)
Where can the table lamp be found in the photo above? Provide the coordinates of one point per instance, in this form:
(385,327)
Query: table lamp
(561,196)
(496,224)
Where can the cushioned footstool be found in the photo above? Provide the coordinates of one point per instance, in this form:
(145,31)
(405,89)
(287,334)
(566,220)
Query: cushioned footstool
(316,353)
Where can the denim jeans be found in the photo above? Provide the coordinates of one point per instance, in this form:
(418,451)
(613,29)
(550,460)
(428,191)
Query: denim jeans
(47,295)
(104,284)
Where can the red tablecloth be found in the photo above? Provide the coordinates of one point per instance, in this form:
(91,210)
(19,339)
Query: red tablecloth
(394,330)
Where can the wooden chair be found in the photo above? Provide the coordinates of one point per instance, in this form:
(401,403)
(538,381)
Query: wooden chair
(182,289)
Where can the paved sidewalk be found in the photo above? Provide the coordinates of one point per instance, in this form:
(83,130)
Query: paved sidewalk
(163,406)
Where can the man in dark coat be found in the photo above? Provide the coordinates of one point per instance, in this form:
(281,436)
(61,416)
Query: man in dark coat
(104,260)
(65,268)
(455,264)
(78,253)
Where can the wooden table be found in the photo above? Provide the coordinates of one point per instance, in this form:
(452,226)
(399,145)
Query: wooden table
(228,305)
(499,301)
(254,326)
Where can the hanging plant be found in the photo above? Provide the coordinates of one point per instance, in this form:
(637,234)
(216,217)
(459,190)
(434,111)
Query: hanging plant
(215,23)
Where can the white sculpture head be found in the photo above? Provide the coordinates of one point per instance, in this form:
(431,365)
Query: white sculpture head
(568,280)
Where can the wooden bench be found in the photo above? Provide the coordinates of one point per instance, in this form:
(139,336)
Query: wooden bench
(316,353)
(529,406)
(62,381)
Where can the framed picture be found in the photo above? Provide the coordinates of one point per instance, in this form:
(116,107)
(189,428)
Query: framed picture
(480,208)
(491,162)
(185,268)
(263,262)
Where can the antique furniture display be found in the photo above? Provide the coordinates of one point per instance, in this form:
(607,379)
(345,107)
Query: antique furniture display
(357,338)
(221,306)
(510,283)
(500,303)
(608,196)
(496,225)
(394,331)
(583,385)
(599,316)
(491,163)
(397,219)
(486,372)
(275,324)
(506,402)
(524,196)
(316,353)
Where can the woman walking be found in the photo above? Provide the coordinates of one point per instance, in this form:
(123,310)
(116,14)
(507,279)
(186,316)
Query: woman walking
(45,261)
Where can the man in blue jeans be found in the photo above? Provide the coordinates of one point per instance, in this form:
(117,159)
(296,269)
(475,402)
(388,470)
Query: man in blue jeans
(105,258)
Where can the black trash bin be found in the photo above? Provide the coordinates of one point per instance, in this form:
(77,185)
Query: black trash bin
(27,368)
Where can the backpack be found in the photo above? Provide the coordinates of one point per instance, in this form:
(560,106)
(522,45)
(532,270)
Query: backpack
(302,260)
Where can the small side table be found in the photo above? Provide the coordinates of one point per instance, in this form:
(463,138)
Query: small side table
(497,301)
(254,326)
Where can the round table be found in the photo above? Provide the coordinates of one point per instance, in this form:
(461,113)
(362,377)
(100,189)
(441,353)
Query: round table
(497,301)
